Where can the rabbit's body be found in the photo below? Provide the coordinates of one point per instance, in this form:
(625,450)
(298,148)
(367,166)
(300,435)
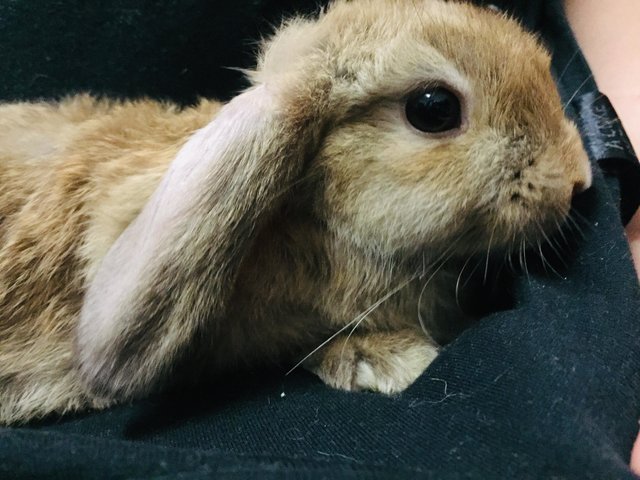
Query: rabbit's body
(84,169)
(73,176)
(138,240)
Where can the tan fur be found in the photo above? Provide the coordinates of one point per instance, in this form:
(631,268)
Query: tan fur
(132,248)
(82,174)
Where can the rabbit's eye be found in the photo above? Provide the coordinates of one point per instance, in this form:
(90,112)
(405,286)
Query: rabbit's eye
(434,110)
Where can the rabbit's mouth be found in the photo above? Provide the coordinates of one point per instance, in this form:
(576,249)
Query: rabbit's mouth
(521,229)
(534,203)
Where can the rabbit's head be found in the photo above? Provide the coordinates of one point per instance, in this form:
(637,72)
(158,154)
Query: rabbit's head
(441,122)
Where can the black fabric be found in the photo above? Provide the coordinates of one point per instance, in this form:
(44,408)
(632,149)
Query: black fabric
(549,389)
(169,49)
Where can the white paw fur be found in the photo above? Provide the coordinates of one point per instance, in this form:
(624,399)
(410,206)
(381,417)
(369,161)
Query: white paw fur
(385,362)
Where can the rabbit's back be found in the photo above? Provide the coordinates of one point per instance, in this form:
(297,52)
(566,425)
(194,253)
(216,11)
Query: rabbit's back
(73,175)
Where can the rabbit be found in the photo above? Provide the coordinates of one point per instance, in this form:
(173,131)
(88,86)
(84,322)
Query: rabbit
(313,219)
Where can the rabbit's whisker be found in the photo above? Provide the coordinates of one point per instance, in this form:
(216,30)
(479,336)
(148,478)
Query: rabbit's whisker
(357,320)
(292,185)
(457,294)
(418,12)
(560,229)
(546,263)
(575,227)
(523,256)
(486,265)
(509,253)
(584,82)
(442,260)
(364,315)
(554,246)
(581,217)
(568,64)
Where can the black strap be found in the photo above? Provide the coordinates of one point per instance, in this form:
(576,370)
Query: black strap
(607,143)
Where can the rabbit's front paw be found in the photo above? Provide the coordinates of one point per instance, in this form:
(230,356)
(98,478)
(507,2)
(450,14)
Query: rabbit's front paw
(386,362)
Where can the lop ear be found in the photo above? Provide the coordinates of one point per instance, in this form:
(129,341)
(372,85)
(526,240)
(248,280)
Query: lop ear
(171,273)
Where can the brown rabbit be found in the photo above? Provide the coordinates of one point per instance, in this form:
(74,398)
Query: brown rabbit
(139,241)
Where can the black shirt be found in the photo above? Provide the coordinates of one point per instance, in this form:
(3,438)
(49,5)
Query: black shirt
(548,389)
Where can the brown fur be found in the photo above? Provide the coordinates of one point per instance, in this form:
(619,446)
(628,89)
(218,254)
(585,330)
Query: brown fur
(132,247)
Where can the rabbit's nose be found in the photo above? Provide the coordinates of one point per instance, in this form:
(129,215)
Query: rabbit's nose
(583,176)
(580,186)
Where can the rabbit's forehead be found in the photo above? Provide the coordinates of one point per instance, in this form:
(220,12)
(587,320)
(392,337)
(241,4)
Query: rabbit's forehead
(398,45)
(398,66)
(370,50)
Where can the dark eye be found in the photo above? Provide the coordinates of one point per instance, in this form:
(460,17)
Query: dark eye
(434,110)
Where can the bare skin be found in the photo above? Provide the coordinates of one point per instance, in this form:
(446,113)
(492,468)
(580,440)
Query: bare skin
(609,36)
